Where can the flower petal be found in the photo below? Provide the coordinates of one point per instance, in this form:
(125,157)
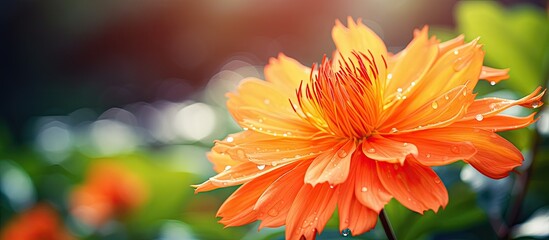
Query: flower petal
(415,186)
(368,189)
(494,75)
(357,37)
(352,213)
(286,73)
(236,175)
(238,208)
(439,112)
(432,151)
(498,123)
(312,208)
(495,156)
(221,161)
(331,166)
(384,149)
(275,202)
(412,64)
(444,47)
(449,72)
(258,94)
(491,106)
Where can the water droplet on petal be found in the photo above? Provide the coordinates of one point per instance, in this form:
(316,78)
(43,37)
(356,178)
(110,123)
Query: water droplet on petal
(446,97)
(535,104)
(493,106)
(455,149)
(428,155)
(413,84)
(394,130)
(492,83)
(341,153)
(479,117)
(285,135)
(456,52)
(267,101)
(245,128)
(434,105)
(227,167)
(260,120)
(331,186)
(346,232)
(261,167)
(230,139)
(399,90)
(371,150)
(364,189)
(273,212)
(437,180)
(274,164)
(389,76)
(405,144)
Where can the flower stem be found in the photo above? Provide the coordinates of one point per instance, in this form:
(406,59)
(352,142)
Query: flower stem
(386,225)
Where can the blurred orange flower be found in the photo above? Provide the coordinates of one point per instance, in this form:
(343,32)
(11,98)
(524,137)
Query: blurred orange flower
(359,130)
(39,222)
(110,191)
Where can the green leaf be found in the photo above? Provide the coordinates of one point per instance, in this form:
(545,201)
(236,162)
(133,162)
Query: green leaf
(517,39)
(460,213)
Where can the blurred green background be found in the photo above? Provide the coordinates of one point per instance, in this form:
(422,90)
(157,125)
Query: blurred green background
(109,107)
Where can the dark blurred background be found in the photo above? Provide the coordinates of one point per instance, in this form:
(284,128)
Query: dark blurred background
(62,55)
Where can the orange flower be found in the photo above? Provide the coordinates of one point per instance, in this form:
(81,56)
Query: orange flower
(359,130)
(39,222)
(109,191)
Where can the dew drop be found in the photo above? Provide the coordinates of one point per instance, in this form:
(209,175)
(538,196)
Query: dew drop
(394,130)
(364,189)
(535,104)
(227,167)
(371,150)
(273,212)
(428,155)
(331,186)
(446,97)
(455,149)
(399,90)
(493,106)
(261,167)
(464,93)
(492,83)
(405,144)
(245,128)
(274,164)
(230,139)
(346,232)
(434,105)
(389,76)
(413,84)
(437,180)
(341,153)
(260,120)
(289,133)
(267,101)
(285,135)
(456,52)
(479,117)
